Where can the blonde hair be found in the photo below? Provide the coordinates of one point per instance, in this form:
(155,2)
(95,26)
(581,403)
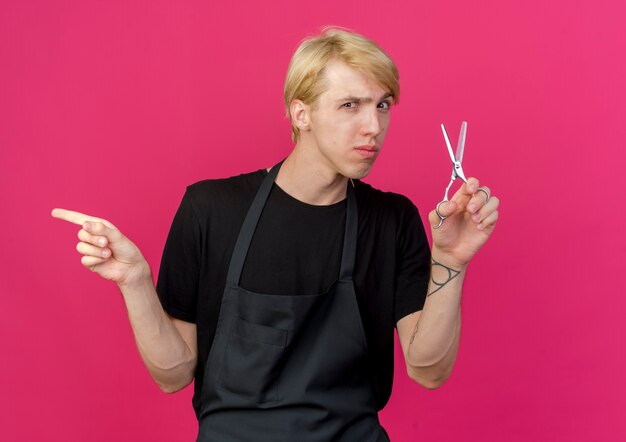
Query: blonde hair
(305,74)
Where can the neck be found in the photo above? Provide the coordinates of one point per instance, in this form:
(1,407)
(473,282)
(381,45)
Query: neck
(310,180)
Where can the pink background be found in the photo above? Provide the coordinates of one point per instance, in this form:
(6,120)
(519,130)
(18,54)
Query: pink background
(113,107)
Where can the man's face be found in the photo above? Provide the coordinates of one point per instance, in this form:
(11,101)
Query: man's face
(349,122)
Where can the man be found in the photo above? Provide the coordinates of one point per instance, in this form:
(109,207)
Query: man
(280,289)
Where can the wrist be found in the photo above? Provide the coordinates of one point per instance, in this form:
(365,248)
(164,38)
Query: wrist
(140,276)
(448,260)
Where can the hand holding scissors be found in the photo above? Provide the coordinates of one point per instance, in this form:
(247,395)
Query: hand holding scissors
(457,168)
(472,210)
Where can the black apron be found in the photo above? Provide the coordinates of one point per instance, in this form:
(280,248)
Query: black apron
(289,368)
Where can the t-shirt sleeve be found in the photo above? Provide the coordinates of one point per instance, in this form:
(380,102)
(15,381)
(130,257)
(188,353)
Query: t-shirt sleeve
(413,264)
(177,284)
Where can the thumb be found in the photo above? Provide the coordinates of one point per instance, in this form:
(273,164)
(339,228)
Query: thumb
(445,209)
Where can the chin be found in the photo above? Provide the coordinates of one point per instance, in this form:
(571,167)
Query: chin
(358,172)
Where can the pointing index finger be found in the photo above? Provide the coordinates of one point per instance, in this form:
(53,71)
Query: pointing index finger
(71,216)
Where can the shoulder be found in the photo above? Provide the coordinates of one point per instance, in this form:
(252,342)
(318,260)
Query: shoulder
(233,190)
(232,185)
(390,203)
(388,213)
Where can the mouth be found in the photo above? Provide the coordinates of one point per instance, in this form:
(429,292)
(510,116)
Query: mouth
(367,151)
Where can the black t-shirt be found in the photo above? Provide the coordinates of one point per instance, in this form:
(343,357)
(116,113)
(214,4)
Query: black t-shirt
(296,249)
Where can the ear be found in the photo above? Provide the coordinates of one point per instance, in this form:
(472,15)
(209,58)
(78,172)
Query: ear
(300,115)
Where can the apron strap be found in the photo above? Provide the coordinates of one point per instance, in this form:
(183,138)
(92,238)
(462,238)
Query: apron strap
(349,238)
(251,221)
(249,226)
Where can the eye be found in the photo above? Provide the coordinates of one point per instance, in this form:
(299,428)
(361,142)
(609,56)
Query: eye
(385,105)
(349,105)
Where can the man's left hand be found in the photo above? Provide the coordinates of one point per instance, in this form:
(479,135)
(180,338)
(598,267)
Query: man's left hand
(469,223)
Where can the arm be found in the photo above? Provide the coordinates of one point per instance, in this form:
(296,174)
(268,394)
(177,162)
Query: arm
(430,338)
(166,345)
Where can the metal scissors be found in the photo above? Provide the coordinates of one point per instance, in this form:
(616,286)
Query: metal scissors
(457,169)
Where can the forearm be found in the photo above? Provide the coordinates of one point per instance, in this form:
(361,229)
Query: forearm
(434,343)
(167,356)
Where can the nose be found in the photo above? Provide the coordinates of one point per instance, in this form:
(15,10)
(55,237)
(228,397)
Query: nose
(372,123)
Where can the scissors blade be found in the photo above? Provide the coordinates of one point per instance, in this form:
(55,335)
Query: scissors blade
(445,135)
(461,146)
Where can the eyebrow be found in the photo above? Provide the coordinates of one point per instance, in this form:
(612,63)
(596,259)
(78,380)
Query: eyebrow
(363,99)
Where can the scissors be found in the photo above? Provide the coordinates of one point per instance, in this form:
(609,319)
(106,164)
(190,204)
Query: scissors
(457,169)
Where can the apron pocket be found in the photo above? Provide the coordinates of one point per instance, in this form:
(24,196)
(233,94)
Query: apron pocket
(252,360)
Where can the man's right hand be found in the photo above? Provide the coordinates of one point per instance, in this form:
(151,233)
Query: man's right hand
(166,345)
(105,250)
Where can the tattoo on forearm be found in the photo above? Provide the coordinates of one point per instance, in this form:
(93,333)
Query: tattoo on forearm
(414,333)
(445,274)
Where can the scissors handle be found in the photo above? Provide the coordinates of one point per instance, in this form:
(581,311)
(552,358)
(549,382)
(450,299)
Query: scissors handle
(441,217)
(445,195)
(444,200)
